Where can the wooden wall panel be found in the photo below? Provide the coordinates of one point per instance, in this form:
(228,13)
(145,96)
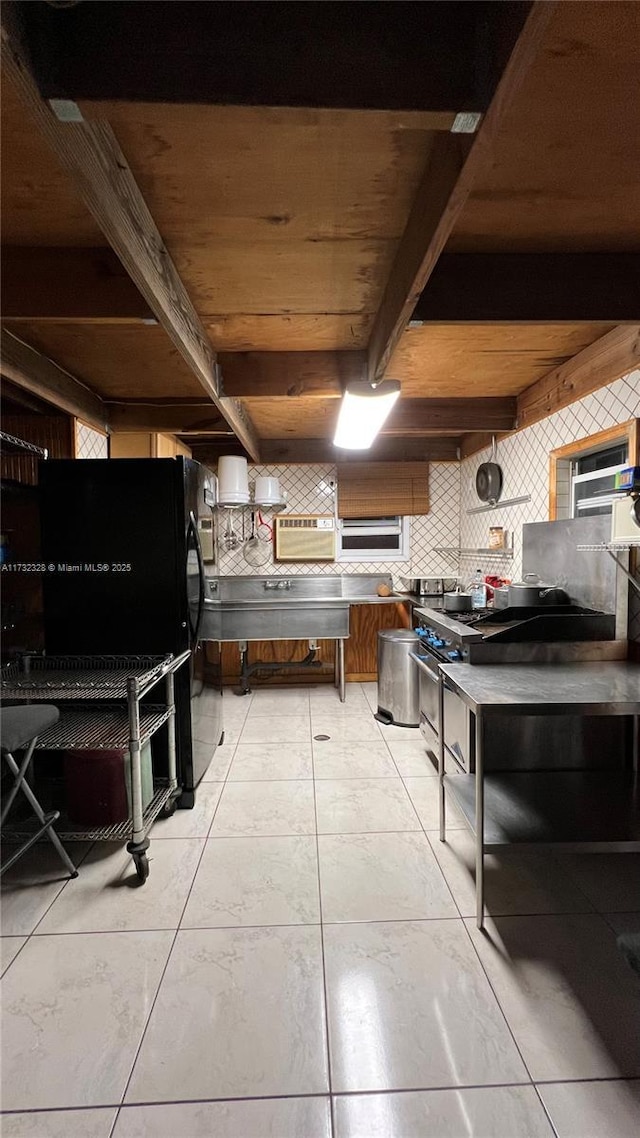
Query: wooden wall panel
(479,359)
(361,649)
(55,433)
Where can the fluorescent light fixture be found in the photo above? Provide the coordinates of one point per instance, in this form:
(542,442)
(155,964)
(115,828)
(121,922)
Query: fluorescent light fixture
(363,412)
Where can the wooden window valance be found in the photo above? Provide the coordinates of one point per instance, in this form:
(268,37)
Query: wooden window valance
(382,489)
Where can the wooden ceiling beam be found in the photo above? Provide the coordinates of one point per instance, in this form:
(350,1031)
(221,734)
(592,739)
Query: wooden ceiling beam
(410,418)
(259,374)
(175,419)
(384,450)
(35,373)
(486,288)
(390,56)
(70,285)
(434,416)
(608,358)
(91,155)
(452,170)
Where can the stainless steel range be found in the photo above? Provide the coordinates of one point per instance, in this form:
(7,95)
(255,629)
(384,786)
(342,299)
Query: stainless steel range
(515,635)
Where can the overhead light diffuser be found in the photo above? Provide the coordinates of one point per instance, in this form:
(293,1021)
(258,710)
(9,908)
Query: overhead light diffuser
(363,412)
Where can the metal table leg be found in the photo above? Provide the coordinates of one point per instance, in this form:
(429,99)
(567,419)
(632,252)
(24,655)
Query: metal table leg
(341,677)
(479,823)
(441,757)
(139,843)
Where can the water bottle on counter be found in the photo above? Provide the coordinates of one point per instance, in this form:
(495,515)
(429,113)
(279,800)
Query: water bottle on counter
(478,591)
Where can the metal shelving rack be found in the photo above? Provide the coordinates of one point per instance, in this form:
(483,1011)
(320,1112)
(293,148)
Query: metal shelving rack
(118,683)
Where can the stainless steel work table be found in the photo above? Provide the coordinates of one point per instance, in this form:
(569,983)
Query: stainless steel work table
(503,808)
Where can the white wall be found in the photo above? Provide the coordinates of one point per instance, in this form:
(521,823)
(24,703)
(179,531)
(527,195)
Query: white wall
(310,489)
(524,458)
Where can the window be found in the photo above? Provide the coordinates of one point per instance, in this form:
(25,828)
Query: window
(581,473)
(373,539)
(592,481)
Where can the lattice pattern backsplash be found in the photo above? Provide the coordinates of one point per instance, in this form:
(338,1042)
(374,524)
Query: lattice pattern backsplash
(90,443)
(524,459)
(311,489)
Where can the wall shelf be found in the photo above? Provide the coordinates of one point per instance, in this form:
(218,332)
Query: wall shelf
(490,506)
(456,552)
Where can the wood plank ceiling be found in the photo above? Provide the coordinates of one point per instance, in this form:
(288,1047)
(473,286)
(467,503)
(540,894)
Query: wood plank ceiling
(298,234)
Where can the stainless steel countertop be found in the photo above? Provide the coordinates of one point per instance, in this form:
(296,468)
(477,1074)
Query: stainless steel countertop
(281,598)
(609,688)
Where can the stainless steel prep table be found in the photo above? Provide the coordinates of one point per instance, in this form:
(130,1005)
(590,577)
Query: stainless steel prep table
(528,807)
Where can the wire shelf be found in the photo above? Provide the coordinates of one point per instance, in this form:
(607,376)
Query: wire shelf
(12,441)
(54,678)
(119,832)
(609,547)
(456,552)
(80,729)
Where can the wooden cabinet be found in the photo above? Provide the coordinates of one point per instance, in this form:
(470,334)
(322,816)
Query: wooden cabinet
(361,649)
(143,444)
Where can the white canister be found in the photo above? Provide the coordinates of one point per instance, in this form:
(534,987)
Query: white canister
(267,491)
(233,480)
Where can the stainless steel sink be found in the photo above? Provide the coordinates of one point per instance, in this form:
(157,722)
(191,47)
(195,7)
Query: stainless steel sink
(285,608)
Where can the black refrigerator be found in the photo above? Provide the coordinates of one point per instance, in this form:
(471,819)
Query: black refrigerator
(125,574)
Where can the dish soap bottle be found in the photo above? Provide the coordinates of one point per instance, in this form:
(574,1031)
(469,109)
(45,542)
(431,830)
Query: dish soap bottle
(478,591)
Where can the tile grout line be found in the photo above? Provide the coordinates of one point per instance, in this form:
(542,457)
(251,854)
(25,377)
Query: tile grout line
(332,1126)
(170,953)
(543,1105)
(315,1095)
(484,971)
(58,894)
(424,829)
(296,924)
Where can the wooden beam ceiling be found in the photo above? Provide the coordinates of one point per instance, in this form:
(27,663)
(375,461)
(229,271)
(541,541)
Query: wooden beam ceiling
(445,187)
(451,360)
(410,418)
(607,359)
(91,155)
(564,174)
(416,417)
(90,285)
(175,418)
(530,288)
(35,373)
(387,55)
(600,363)
(322,450)
(70,285)
(260,374)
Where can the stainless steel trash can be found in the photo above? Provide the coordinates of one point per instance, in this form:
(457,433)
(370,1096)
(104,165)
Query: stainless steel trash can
(397,678)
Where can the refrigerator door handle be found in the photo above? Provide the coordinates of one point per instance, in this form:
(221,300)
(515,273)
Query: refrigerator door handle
(193,529)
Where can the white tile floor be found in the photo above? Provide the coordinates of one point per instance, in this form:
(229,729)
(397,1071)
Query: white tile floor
(303,962)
